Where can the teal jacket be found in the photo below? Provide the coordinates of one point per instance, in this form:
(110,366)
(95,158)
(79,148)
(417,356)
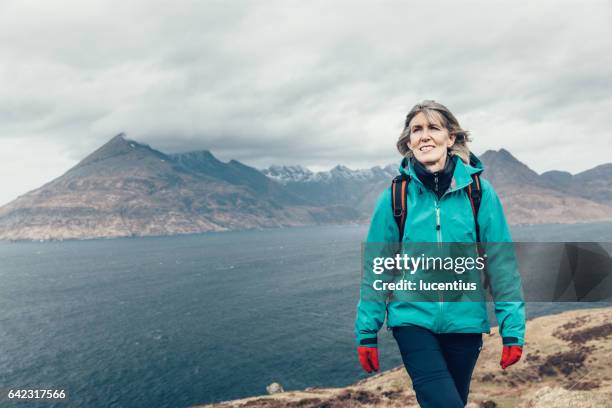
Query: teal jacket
(449,219)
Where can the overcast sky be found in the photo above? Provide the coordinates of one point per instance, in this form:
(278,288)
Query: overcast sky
(315,83)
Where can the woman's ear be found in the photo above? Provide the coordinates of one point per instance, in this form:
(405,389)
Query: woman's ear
(451,140)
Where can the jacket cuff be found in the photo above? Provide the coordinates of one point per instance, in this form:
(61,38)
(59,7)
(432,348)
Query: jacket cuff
(368,342)
(512,341)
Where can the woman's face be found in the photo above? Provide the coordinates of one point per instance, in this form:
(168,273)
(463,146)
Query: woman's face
(429,141)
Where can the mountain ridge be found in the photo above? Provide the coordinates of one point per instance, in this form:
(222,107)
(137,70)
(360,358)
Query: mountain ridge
(125,189)
(128,188)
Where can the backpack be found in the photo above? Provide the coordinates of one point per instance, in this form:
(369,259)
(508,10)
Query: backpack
(399,188)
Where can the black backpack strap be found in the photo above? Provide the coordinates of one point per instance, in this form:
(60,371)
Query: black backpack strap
(399,188)
(475,195)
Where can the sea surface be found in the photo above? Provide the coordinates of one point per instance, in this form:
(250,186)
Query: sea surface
(185,320)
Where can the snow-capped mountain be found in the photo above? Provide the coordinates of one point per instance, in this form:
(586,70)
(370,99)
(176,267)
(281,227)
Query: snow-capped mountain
(288,174)
(127,188)
(299,174)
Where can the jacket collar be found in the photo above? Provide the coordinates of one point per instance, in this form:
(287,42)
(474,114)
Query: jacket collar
(462,176)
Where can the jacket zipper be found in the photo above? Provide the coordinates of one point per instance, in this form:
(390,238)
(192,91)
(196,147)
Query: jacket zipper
(438,227)
(439,240)
(438,320)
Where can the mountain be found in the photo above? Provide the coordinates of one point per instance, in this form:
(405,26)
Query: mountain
(205,164)
(528,198)
(559,180)
(338,186)
(288,174)
(595,184)
(126,188)
(292,174)
(553,197)
(503,169)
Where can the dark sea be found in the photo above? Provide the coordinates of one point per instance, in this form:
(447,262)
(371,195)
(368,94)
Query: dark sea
(186,320)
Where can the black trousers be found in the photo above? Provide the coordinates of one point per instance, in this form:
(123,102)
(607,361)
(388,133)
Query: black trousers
(440,365)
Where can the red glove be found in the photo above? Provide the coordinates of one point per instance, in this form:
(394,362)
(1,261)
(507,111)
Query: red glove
(510,355)
(368,357)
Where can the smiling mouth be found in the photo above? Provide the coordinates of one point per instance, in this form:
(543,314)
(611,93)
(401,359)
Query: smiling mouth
(426,148)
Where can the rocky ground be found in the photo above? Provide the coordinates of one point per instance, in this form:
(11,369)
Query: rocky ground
(566,363)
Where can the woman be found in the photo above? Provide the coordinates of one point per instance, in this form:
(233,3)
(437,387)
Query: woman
(440,341)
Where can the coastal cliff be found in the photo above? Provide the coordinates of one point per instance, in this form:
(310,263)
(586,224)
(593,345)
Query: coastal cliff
(566,363)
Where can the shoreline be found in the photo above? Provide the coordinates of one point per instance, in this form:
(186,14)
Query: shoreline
(561,350)
(265,229)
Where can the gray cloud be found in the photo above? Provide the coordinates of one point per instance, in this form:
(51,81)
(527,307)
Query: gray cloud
(315,83)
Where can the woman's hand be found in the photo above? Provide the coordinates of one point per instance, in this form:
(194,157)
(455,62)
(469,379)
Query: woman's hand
(368,357)
(510,355)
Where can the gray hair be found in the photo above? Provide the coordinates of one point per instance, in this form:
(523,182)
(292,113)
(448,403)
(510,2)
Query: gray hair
(436,111)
